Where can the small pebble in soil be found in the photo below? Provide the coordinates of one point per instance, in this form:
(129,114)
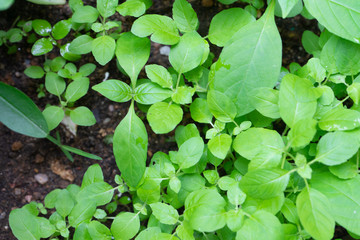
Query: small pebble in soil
(17,191)
(28,198)
(106,120)
(39,158)
(111,108)
(16,146)
(41,178)
(207,3)
(165,50)
(2,215)
(17,74)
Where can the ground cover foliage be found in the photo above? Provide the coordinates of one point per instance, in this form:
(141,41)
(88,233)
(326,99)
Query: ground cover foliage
(278,152)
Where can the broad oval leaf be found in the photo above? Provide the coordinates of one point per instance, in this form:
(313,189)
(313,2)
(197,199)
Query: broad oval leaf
(261,225)
(165,213)
(92,174)
(106,8)
(336,148)
(82,116)
(82,211)
(185,17)
(132,53)
(99,192)
(77,89)
(41,27)
(220,145)
(226,23)
(41,46)
(328,13)
(20,114)
(314,213)
(115,90)
(265,183)
(160,75)
(81,44)
(188,53)
(164,117)
(61,29)
(200,111)
(85,14)
(150,93)
(340,119)
(54,83)
(162,29)
(302,133)
(262,146)
(344,198)
(53,116)
(125,225)
(265,101)
(103,49)
(130,148)
(190,152)
(24,225)
(251,59)
(204,210)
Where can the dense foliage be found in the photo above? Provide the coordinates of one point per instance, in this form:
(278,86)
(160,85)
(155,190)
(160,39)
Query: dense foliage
(280,154)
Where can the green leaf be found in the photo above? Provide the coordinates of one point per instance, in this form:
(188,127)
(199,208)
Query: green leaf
(87,69)
(125,225)
(81,44)
(150,93)
(114,90)
(99,192)
(41,27)
(204,210)
(130,148)
(57,64)
(297,100)
(82,116)
(265,101)
(286,6)
(92,174)
(54,84)
(85,14)
(165,213)
(190,152)
(188,53)
(184,231)
(132,53)
(336,148)
(200,111)
(164,117)
(340,119)
(220,145)
(314,213)
(20,114)
(302,133)
(261,225)
(53,116)
(221,106)
(148,233)
(354,92)
(225,24)
(83,211)
(61,29)
(149,190)
(158,74)
(344,199)
(103,49)
(252,59)
(310,42)
(263,147)
(77,89)
(185,17)
(34,72)
(327,13)
(327,56)
(183,95)
(182,134)
(134,8)
(106,8)
(99,231)
(24,225)
(80,152)
(264,183)
(67,54)
(161,28)
(64,203)
(41,47)
(289,211)
(47,229)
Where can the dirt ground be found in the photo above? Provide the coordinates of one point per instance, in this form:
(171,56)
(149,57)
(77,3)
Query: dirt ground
(22,158)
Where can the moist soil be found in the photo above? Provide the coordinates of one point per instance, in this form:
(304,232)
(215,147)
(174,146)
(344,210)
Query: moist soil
(22,157)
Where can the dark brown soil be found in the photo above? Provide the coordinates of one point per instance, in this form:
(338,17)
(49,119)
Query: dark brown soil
(22,157)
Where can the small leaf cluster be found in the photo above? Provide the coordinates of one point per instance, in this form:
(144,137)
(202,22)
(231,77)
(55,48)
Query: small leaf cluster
(56,71)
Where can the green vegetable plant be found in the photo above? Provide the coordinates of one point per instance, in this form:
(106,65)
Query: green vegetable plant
(277,154)
(56,71)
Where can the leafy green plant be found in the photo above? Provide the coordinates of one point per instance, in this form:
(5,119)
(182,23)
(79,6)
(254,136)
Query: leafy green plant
(21,115)
(282,156)
(55,72)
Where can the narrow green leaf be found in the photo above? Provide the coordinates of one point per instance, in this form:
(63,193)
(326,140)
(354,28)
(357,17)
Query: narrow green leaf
(150,93)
